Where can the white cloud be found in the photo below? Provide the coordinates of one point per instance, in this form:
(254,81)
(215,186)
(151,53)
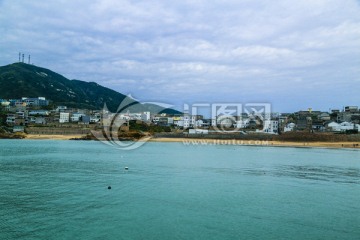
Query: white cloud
(193,50)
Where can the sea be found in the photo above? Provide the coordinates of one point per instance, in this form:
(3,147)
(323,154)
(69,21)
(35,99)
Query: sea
(51,189)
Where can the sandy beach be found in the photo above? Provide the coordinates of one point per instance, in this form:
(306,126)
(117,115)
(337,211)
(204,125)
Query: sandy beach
(199,142)
(233,142)
(52,137)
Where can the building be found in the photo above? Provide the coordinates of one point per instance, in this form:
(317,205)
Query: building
(271,126)
(317,125)
(10,119)
(38,120)
(36,102)
(184,122)
(85,119)
(309,113)
(289,127)
(342,127)
(4,103)
(199,123)
(242,123)
(38,113)
(333,127)
(64,117)
(226,121)
(61,109)
(21,114)
(344,116)
(146,116)
(351,109)
(165,121)
(76,117)
(324,116)
(95,118)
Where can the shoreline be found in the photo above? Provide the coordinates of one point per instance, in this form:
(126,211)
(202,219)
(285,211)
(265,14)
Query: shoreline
(219,142)
(259,143)
(51,137)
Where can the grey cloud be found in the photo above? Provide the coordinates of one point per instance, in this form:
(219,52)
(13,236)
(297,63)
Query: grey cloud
(195,50)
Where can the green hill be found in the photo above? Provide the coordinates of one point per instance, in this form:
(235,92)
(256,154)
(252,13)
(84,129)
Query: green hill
(24,80)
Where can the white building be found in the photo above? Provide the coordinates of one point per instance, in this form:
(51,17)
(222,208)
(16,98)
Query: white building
(348,126)
(271,126)
(199,123)
(334,126)
(192,120)
(342,127)
(289,127)
(184,122)
(242,123)
(213,122)
(146,116)
(64,117)
(95,118)
(135,116)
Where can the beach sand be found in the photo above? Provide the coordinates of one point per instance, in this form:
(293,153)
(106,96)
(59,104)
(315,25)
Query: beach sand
(52,137)
(199,142)
(234,142)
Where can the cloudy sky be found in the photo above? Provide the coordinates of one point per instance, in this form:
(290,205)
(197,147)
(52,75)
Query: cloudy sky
(292,54)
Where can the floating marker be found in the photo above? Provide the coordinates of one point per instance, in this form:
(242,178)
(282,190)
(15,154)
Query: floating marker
(109,187)
(126,168)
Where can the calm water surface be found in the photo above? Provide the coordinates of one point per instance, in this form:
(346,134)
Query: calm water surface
(58,190)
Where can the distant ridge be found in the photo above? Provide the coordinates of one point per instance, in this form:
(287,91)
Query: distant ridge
(24,80)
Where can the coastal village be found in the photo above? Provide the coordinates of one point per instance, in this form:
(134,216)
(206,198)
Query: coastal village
(38,116)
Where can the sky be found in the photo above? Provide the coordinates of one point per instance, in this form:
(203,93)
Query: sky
(291,54)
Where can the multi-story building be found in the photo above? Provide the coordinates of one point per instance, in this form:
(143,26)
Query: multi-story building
(76,117)
(64,117)
(10,119)
(36,102)
(271,126)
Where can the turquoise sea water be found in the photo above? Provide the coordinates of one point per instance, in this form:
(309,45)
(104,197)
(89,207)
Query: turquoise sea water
(58,190)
